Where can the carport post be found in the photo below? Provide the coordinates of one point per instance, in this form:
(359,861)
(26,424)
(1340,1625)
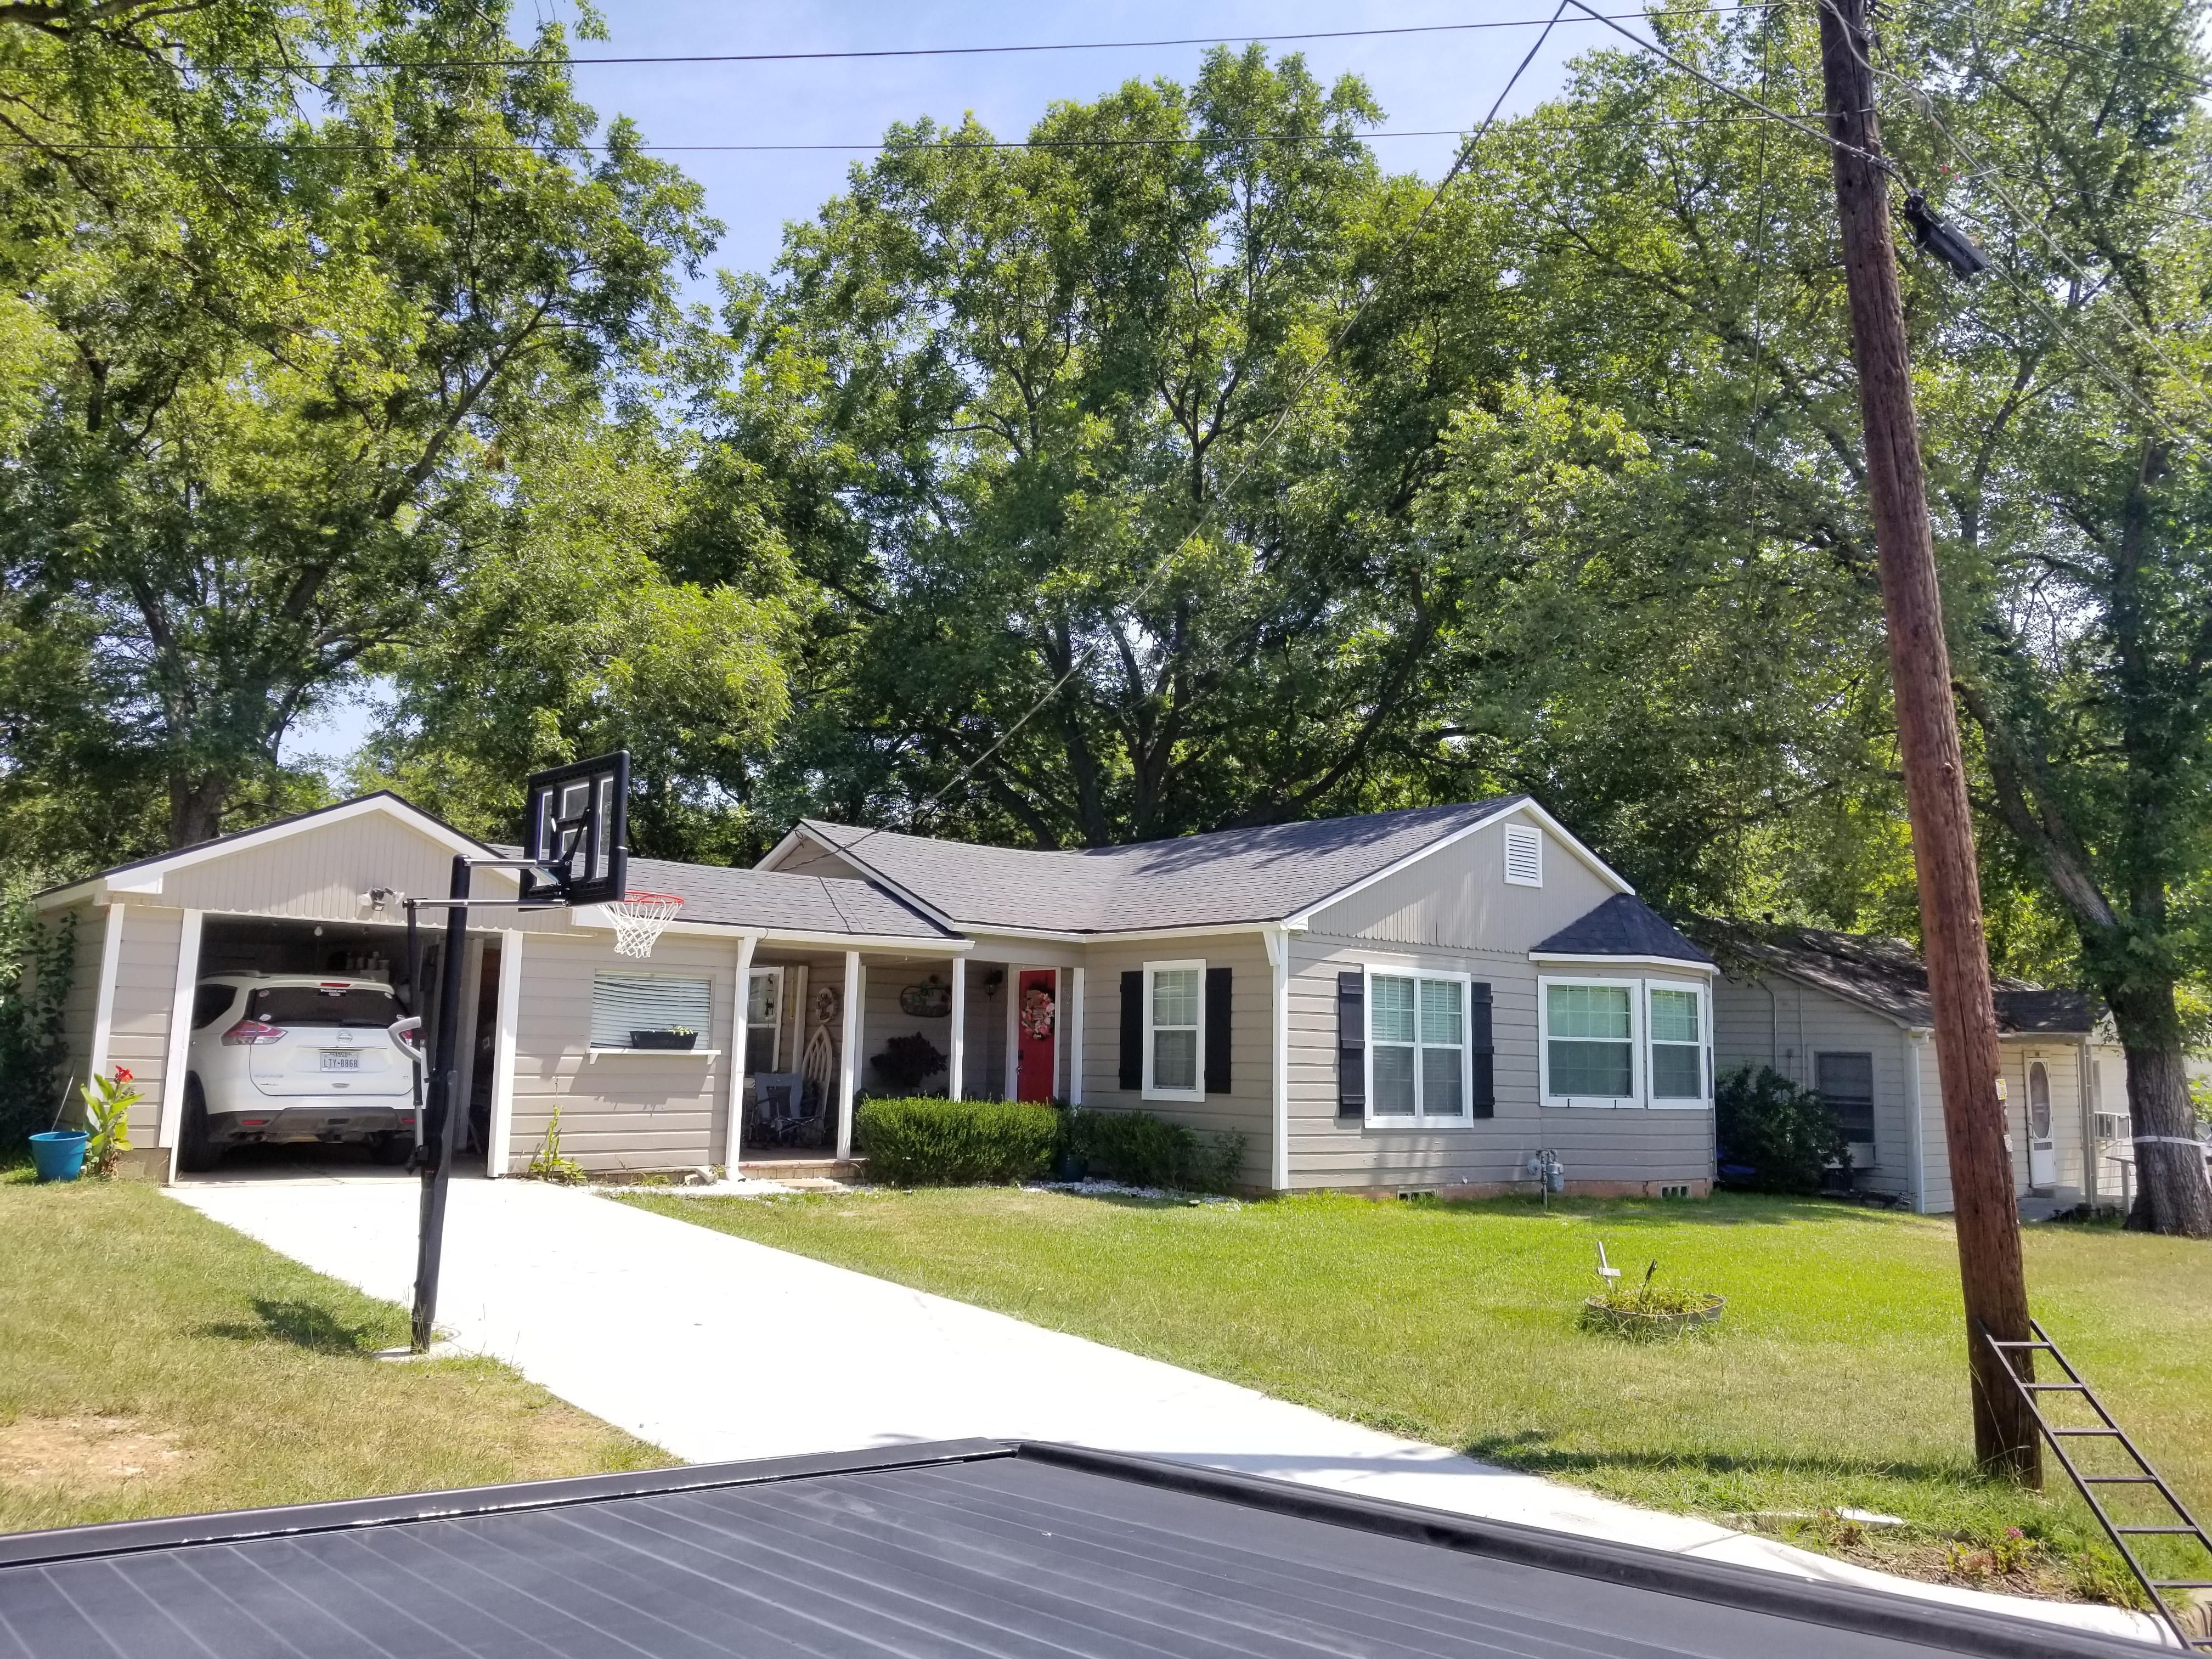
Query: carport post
(438,1137)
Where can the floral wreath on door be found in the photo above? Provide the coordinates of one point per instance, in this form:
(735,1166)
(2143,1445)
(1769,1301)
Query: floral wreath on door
(1038,1012)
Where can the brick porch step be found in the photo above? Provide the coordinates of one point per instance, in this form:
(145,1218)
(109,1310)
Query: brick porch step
(803,1168)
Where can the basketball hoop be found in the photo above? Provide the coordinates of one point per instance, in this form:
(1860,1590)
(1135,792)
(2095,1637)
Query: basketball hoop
(640,919)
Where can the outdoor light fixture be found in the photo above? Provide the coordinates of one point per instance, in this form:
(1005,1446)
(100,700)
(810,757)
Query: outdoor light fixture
(1938,236)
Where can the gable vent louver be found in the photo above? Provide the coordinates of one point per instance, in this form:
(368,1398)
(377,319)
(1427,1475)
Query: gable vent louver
(1524,855)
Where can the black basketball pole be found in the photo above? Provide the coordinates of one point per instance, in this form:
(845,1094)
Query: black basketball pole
(441,1117)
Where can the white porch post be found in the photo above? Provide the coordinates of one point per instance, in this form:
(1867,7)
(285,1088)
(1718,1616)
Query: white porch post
(103,1011)
(733,1140)
(1278,1055)
(1072,1023)
(499,1141)
(1012,985)
(180,1038)
(848,1051)
(956,1063)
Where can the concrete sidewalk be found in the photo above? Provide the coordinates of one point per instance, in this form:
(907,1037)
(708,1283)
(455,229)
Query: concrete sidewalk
(716,1348)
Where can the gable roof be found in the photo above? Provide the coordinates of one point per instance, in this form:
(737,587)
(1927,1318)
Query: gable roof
(1223,878)
(1623,925)
(1884,975)
(144,875)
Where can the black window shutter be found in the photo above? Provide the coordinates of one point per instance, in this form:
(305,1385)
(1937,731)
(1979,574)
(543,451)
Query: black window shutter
(1133,1029)
(1482,1096)
(1351,1045)
(1216,1031)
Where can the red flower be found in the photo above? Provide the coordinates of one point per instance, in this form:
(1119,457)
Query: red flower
(123,1074)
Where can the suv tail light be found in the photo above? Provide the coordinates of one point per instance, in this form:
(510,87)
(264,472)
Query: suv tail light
(247,1033)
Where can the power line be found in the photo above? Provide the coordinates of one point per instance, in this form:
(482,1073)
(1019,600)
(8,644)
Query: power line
(1079,658)
(955,51)
(312,146)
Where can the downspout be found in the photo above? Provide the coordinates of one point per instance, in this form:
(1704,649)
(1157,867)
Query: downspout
(1773,1025)
(1277,940)
(2088,1122)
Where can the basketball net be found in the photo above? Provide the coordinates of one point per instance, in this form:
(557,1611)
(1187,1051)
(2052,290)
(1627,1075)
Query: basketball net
(640,919)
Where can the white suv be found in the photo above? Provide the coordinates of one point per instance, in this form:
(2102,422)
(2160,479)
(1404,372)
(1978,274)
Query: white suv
(295,1057)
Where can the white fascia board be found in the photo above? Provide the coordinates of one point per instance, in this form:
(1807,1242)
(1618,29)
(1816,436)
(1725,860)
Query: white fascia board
(1673,964)
(146,878)
(1199,930)
(1604,872)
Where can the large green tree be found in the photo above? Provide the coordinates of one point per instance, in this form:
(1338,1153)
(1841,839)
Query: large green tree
(1039,422)
(284,322)
(1670,262)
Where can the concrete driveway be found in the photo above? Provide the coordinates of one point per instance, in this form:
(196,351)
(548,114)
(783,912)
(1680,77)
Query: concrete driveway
(717,1348)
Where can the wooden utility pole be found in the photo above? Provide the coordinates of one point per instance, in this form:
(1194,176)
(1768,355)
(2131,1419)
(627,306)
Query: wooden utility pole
(1974,1126)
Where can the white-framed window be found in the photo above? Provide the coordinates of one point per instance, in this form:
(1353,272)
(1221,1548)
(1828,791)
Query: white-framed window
(1175,1030)
(1524,855)
(625,1004)
(1591,1053)
(1678,1062)
(1844,1078)
(764,1019)
(1417,1048)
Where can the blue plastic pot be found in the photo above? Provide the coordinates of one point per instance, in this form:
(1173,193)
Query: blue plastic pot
(58,1154)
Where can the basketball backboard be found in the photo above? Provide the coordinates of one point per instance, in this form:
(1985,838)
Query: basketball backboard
(578,829)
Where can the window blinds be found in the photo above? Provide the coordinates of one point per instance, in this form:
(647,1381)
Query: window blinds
(622,1003)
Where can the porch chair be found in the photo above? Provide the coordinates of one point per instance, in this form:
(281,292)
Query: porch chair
(780,1107)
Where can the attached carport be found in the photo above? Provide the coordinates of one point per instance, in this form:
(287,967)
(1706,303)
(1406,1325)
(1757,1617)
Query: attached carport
(322,893)
(972,1547)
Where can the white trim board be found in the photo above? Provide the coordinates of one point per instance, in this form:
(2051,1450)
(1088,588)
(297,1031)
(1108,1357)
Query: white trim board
(168,1131)
(103,1010)
(498,1138)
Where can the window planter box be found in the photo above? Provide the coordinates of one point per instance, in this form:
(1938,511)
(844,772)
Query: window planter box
(663,1039)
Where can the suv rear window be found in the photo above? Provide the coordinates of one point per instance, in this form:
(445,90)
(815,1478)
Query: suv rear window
(309,1005)
(211,1002)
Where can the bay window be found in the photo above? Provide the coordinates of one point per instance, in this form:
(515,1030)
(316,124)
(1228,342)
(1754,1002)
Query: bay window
(1589,1045)
(1677,1024)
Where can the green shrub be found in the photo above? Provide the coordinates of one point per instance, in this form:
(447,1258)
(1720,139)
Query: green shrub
(934,1142)
(1147,1150)
(1773,1135)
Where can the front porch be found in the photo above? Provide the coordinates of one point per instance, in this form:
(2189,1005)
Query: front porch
(822,1028)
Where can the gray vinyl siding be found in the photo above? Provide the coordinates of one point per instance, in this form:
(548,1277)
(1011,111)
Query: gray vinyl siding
(1458,897)
(1776,1021)
(1631,1147)
(1453,911)
(320,871)
(80,1007)
(1935,1149)
(643,1110)
(884,1019)
(1248,1107)
(145,1000)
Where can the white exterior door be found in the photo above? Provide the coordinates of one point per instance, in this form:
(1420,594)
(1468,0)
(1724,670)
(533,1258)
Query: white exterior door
(2042,1150)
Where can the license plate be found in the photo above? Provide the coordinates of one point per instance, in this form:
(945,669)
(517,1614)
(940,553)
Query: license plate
(340,1059)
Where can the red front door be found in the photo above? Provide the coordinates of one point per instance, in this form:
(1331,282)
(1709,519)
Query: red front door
(1037,1033)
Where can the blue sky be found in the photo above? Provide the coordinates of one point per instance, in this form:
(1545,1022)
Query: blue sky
(1424,83)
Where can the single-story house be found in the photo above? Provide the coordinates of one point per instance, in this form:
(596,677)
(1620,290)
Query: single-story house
(1418,1001)
(1848,1014)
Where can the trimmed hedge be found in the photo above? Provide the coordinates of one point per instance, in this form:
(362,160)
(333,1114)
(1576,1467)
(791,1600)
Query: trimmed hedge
(1147,1150)
(930,1141)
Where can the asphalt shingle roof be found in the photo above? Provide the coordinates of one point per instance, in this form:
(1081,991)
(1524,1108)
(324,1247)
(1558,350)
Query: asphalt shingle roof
(779,903)
(1884,974)
(1624,926)
(1229,876)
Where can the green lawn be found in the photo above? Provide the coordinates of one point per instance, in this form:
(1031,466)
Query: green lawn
(1837,1380)
(154,1363)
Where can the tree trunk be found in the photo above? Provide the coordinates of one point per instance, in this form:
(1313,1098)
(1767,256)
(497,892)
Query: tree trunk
(196,808)
(2174,1193)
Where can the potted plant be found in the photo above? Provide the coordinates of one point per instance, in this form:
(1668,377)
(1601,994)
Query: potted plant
(1647,1309)
(668,1036)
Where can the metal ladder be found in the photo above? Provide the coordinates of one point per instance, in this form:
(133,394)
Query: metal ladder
(2160,1590)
